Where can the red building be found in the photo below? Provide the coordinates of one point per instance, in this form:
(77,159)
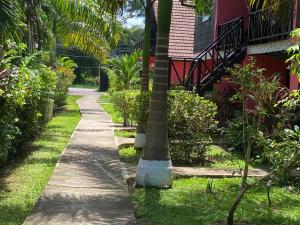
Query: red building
(202,47)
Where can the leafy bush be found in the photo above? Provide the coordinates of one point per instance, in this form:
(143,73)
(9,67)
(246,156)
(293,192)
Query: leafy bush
(25,85)
(233,134)
(65,70)
(191,123)
(125,102)
(284,153)
(141,108)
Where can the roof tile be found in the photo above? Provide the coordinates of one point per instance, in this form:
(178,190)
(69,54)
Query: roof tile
(181,43)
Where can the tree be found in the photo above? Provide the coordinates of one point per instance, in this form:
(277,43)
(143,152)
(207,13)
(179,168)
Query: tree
(130,36)
(89,25)
(266,93)
(140,131)
(155,167)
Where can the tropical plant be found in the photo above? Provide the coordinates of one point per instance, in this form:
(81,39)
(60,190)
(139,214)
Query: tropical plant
(124,72)
(259,97)
(24,87)
(124,102)
(284,154)
(89,25)
(272,5)
(65,70)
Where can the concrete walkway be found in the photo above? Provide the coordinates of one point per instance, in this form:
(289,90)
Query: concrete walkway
(87,186)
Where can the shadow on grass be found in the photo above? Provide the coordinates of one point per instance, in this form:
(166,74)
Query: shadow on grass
(188,203)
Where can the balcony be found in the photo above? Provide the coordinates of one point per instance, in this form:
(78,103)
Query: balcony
(262,27)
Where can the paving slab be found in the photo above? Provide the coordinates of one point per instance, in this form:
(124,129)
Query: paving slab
(87,186)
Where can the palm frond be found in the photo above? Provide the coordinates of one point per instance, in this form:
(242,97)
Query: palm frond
(10,20)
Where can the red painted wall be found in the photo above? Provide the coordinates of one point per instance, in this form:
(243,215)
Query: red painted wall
(227,10)
(180,71)
(272,66)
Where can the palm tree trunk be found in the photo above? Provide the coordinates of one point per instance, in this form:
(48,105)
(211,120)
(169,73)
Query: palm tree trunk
(140,130)
(146,47)
(155,167)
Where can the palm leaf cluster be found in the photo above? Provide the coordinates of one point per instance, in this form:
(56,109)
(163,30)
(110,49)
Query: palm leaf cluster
(272,5)
(89,25)
(124,71)
(10,19)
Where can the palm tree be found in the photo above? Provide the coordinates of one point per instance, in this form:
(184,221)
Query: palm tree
(140,130)
(155,167)
(89,25)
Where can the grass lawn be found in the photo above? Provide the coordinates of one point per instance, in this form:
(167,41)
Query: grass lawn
(129,155)
(125,133)
(22,182)
(223,159)
(106,104)
(86,85)
(188,203)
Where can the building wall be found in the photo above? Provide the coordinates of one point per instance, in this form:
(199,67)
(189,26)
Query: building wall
(273,65)
(227,10)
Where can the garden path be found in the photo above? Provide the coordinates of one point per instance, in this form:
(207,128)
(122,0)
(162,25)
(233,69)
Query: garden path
(87,186)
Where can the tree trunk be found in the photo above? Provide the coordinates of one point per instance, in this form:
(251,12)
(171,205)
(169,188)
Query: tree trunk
(157,132)
(146,48)
(244,186)
(155,167)
(140,130)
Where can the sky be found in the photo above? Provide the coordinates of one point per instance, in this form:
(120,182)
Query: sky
(134,21)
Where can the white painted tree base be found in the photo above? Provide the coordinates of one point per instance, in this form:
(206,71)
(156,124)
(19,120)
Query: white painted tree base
(140,139)
(153,173)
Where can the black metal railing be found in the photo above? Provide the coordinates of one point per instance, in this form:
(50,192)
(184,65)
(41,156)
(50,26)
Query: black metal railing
(208,66)
(228,25)
(263,26)
(140,45)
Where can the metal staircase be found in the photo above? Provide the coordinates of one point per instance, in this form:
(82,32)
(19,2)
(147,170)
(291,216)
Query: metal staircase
(201,72)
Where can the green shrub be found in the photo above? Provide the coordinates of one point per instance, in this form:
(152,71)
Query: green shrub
(28,82)
(191,123)
(284,153)
(124,102)
(65,70)
(141,108)
(232,135)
